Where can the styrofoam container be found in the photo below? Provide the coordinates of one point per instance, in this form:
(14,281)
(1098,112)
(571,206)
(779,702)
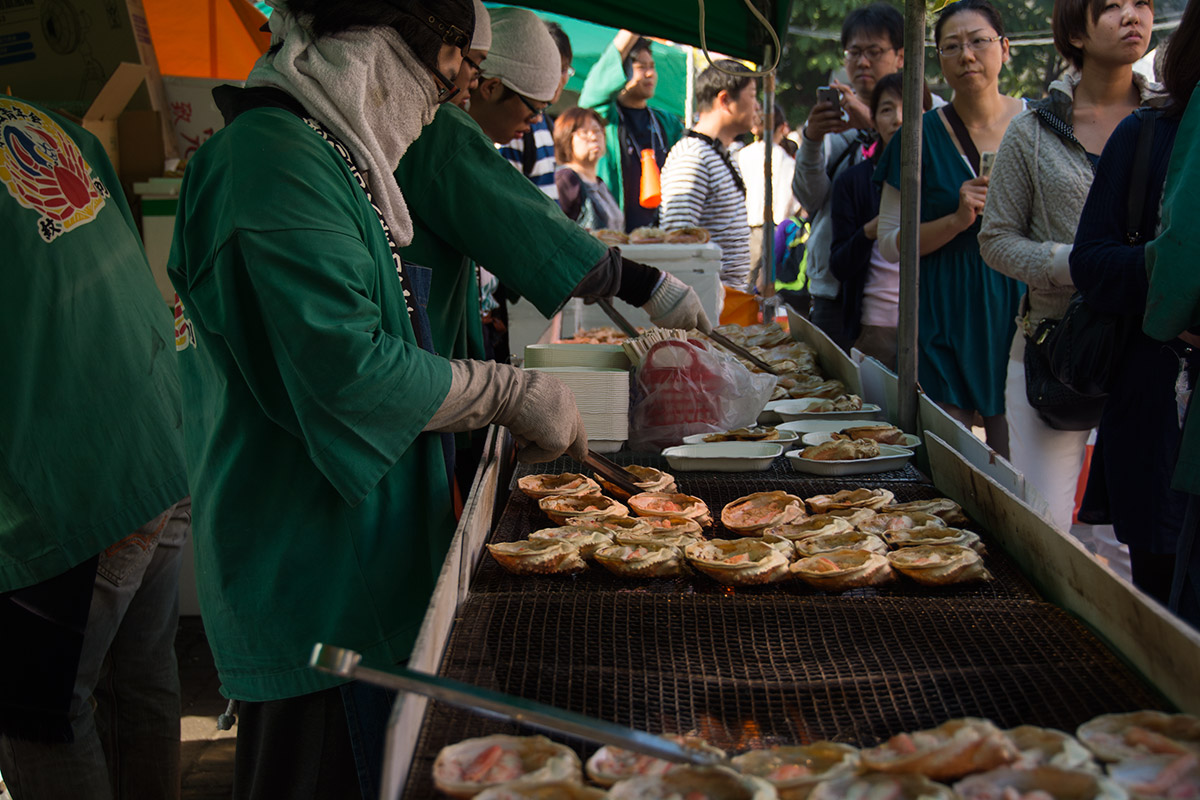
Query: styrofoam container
(723,456)
(785,437)
(820,437)
(892,457)
(566,354)
(812,424)
(792,410)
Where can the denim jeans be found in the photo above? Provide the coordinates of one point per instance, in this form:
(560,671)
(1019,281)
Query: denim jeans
(125,705)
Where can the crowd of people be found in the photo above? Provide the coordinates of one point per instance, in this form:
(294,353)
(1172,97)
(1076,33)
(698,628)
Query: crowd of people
(387,180)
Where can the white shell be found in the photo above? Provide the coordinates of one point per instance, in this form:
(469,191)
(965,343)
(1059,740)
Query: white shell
(839,570)
(794,770)
(648,479)
(822,523)
(610,764)
(588,541)
(558,790)
(744,562)
(1113,737)
(536,758)
(756,512)
(669,504)
(907,787)
(883,522)
(1058,783)
(849,540)
(538,557)
(850,498)
(939,565)
(713,783)
(1049,747)
(934,535)
(539,486)
(588,506)
(956,748)
(1155,777)
(642,561)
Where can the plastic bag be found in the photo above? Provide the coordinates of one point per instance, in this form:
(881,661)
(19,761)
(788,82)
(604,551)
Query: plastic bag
(690,387)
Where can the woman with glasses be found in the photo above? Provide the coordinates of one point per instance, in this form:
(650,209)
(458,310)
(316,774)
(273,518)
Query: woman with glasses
(583,195)
(1040,181)
(315,405)
(966,310)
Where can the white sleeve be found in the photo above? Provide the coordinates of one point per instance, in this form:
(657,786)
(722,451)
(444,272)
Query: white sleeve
(889,223)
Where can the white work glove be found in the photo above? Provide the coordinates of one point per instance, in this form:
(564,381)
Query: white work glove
(538,408)
(674,304)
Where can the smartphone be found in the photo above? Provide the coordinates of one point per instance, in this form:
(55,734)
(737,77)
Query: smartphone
(986,159)
(827,94)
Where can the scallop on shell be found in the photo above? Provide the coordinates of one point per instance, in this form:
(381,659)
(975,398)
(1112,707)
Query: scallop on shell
(894,787)
(883,521)
(784,545)
(668,504)
(538,557)
(1047,747)
(839,570)
(1160,777)
(795,770)
(610,764)
(612,525)
(822,523)
(1113,737)
(955,748)
(589,506)
(642,561)
(557,790)
(588,541)
(742,562)
(539,486)
(680,540)
(949,511)
(850,498)
(849,540)
(648,479)
(855,516)
(753,513)
(675,525)
(939,564)
(934,535)
(1054,782)
(472,765)
(712,783)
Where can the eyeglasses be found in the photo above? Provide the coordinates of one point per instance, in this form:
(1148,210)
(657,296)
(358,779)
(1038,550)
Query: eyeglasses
(872,53)
(589,133)
(446,87)
(954,49)
(534,111)
(471,63)
(569,72)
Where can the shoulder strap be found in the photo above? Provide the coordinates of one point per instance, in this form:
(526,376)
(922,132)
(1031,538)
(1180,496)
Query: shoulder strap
(724,156)
(832,167)
(1139,178)
(963,135)
(528,153)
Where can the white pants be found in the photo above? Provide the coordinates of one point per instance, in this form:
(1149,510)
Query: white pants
(1049,459)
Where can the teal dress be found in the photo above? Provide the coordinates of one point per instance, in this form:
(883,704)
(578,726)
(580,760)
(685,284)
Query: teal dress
(967,312)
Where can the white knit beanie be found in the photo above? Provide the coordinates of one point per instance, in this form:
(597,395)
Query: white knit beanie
(482,38)
(523,55)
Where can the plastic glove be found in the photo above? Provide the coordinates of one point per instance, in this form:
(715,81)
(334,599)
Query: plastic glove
(674,304)
(538,408)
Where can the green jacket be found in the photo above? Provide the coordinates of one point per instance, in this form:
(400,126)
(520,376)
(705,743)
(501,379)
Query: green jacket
(321,511)
(90,435)
(1173,301)
(604,82)
(470,206)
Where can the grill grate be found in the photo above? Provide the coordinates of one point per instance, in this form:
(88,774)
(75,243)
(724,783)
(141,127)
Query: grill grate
(761,671)
(522,516)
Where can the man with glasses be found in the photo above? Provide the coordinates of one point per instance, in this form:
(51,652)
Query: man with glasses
(533,151)
(833,141)
(467,78)
(620,87)
(520,78)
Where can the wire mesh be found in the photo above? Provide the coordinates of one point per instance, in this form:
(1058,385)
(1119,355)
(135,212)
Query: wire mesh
(758,671)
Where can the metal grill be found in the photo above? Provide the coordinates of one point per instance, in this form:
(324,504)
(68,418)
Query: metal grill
(758,671)
(522,516)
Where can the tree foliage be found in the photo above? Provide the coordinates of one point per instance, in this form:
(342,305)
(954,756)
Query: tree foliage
(808,60)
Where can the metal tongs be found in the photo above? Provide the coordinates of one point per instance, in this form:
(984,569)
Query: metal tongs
(346,664)
(612,472)
(719,338)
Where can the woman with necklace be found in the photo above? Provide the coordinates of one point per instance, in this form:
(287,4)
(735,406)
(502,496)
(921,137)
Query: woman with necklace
(966,310)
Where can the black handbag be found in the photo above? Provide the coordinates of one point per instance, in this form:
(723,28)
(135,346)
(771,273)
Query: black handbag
(1070,363)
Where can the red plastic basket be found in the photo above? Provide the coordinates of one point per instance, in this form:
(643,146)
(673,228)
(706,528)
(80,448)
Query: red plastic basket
(678,386)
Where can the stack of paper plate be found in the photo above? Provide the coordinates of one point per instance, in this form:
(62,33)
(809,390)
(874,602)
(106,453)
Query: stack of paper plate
(597,356)
(603,399)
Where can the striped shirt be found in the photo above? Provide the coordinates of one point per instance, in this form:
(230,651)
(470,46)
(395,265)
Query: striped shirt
(698,189)
(544,167)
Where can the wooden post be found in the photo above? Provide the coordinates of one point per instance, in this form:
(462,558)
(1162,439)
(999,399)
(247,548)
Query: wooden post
(768,229)
(910,208)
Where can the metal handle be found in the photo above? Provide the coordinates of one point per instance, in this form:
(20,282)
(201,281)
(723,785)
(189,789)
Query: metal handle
(618,318)
(612,472)
(347,664)
(737,349)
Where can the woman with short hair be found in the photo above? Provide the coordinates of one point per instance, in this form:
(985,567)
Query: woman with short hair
(579,145)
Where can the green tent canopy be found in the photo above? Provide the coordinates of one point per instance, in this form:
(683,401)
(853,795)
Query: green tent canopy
(730,28)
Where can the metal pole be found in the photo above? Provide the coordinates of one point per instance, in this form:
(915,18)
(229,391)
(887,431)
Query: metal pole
(910,209)
(768,230)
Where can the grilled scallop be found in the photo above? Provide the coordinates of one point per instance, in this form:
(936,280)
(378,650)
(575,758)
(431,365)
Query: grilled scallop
(1040,782)
(588,506)
(849,540)
(648,479)
(951,750)
(950,511)
(822,523)
(1047,747)
(711,783)
(1113,737)
(642,561)
(795,770)
(667,504)
(588,541)
(743,562)
(611,764)
(472,765)
(539,486)
(934,535)
(850,498)
(672,525)
(878,785)
(1161,777)
(882,522)
(840,570)
(612,525)
(557,790)
(752,514)
(538,557)
(940,564)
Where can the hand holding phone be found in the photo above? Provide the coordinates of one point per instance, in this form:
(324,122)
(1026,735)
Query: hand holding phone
(828,94)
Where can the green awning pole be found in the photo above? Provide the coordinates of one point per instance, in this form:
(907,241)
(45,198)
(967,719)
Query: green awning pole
(910,209)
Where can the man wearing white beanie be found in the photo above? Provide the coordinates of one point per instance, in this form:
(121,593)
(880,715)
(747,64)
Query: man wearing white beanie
(521,77)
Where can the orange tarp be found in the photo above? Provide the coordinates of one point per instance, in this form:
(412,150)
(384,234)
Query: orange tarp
(206,38)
